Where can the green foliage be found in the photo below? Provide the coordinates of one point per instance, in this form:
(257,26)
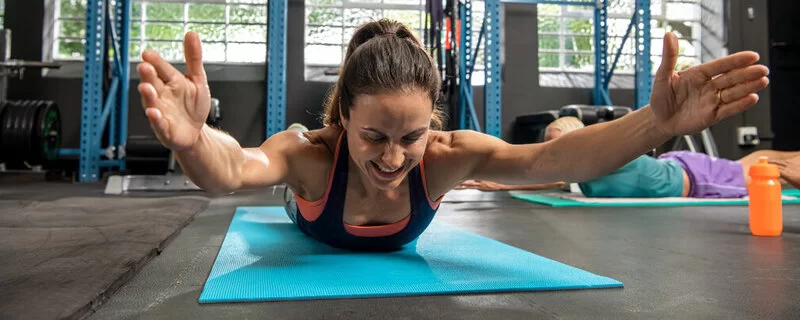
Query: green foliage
(548,42)
(164,11)
(548,60)
(73,9)
(206,12)
(248,14)
(323,16)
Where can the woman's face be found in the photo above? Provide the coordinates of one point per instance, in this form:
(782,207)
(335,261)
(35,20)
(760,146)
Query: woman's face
(387,134)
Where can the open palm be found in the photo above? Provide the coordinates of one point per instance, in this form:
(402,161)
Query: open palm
(176,105)
(689,101)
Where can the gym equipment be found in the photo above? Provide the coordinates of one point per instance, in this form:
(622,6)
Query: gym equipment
(530,128)
(590,115)
(578,200)
(215,113)
(148,147)
(264,257)
(30,131)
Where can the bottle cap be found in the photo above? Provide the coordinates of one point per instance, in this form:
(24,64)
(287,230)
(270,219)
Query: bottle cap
(764,169)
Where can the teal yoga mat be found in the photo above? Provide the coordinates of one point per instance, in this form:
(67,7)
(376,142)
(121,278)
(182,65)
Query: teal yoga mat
(264,257)
(554,200)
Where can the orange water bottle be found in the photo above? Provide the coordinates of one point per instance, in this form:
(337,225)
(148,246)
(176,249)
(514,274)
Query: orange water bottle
(766,211)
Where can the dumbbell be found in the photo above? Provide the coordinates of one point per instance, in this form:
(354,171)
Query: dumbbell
(613,113)
(215,113)
(587,114)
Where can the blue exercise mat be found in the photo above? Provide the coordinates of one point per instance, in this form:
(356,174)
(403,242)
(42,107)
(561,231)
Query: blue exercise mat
(264,257)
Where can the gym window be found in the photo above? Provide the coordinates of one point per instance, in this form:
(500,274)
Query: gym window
(2,13)
(232,31)
(566,40)
(331,23)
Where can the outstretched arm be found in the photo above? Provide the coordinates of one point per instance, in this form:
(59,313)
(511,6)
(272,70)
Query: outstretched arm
(682,103)
(177,106)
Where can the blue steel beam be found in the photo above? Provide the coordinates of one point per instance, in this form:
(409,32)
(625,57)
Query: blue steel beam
(464,66)
(92,98)
(276,68)
(644,76)
(493,90)
(601,54)
(120,116)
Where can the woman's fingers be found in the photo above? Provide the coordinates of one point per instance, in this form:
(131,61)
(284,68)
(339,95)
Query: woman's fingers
(147,74)
(742,90)
(738,76)
(732,62)
(164,70)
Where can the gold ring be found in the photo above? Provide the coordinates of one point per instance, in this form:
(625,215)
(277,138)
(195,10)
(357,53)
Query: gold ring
(719,96)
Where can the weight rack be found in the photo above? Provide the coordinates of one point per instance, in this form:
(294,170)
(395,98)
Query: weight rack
(640,22)
(101,109)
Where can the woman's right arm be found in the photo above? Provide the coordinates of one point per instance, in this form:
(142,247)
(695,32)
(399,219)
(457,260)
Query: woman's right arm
(218,164)
(177,106)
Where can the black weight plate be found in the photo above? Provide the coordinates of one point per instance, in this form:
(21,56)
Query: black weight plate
(2,110)
(49,128)
(26,130)
(12,138)
(37,135)
(5,130)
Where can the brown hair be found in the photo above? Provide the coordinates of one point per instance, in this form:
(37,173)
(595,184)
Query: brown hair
(383,56)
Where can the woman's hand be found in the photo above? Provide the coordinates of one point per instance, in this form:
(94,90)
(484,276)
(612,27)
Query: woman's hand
(689,101)
(177,105)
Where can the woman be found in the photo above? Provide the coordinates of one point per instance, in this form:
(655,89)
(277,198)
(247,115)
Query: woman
(673,174)
(372,178)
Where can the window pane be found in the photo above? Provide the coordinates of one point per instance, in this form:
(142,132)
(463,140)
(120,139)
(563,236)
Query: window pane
(163,31)
(579,26)
(247,52)
(548,24)
(248,14)
(165,11)
(251,1)
(323,3)
(73,8)
(207,12)
(409,18)
(324,34)
(324,16)
(209,32)
(136,11)
(323,55)
(135,50)
(136,30)
(214,52)
(357,17)
(578,44)
(548,9)
(72,28)
(364,1)
(548,42)
(71,49)
(548,60)
(624,7)
(409,2)
(579,61)
(251,33)
(171,51)
(683,11)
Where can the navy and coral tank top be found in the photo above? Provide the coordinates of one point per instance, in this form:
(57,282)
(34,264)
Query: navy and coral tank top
(323,219)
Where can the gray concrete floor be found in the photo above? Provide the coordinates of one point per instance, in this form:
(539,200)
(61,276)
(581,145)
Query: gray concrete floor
(676,263)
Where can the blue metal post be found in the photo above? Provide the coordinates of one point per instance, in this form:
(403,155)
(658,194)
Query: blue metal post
(121,117)
(92,97)
(465,66)
(276,67)
(601,53)
(492,91)
(644,74)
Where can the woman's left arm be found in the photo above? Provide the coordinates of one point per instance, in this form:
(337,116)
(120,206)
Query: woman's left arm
(681,103)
